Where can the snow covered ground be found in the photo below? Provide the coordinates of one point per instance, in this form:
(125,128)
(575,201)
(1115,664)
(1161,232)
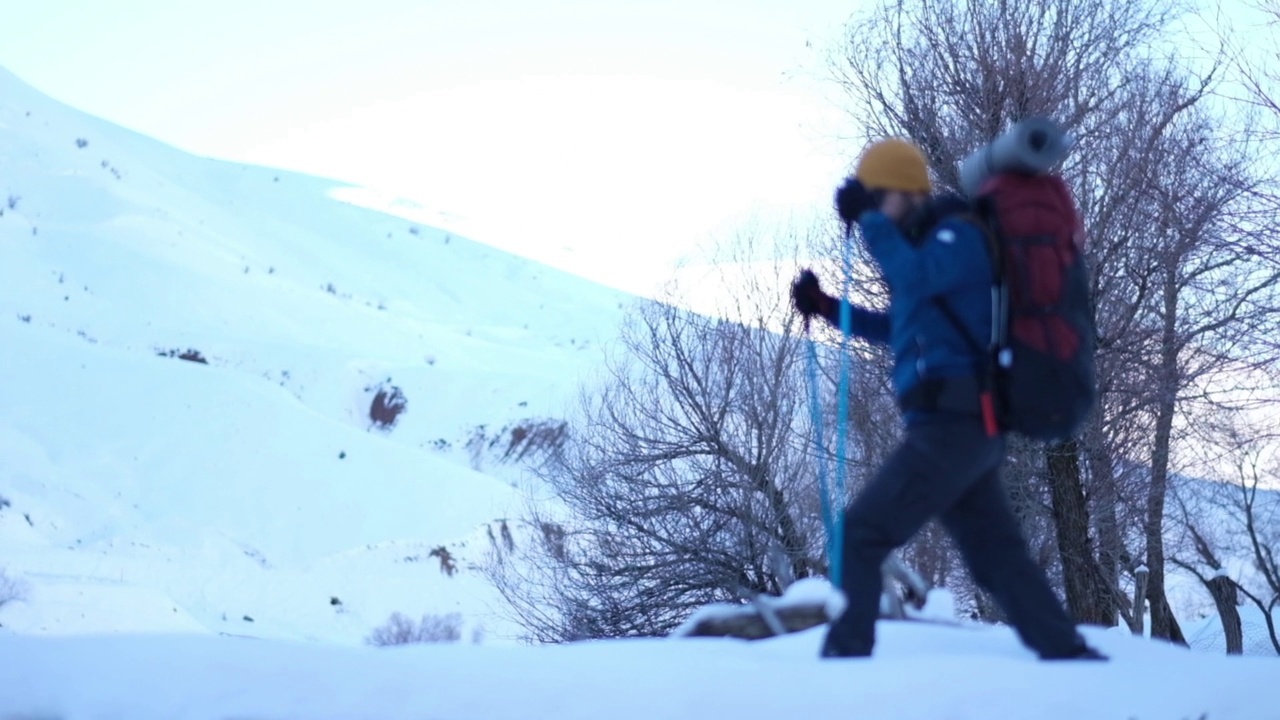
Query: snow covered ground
(217,538)
(920,671)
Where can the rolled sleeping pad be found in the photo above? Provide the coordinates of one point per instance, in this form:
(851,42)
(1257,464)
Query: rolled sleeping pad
(1031,146)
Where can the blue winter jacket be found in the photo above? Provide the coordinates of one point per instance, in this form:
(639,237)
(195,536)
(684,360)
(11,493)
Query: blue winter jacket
(951,262)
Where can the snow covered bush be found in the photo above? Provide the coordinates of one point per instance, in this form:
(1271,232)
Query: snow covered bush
(401,630)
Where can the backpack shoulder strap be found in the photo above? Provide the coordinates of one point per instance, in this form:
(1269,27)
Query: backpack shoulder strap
(981,214)
(952,317)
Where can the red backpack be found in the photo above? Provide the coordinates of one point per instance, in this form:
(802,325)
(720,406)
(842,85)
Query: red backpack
(1040,382)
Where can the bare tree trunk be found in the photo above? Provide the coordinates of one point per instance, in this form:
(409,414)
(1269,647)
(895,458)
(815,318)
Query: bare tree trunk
(1110,544)
(1226,599)
(1087,599)
(1163,623)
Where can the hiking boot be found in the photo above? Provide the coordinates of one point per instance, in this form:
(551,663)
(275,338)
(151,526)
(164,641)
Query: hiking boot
(839,645)
(1081,652)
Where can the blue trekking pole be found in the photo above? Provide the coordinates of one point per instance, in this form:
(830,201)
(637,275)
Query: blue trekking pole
(832,507)
(842,401)
(815,413)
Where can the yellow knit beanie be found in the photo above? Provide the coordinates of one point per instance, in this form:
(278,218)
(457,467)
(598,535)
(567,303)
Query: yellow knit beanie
(894,164)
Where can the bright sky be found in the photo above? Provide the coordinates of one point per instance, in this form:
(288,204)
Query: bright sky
(607,138)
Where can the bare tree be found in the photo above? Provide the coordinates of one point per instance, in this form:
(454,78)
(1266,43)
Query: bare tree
(1261,517)
(1257,63)
(1240,518)
(1211,306)
(952,75)
(687,480)
(1219,584)
(1161,193)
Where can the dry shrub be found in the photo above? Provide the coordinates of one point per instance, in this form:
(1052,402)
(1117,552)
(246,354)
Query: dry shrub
(11,589)
(448,565)
(526,440)
(190,355)
(535,436)
(401,630)
(388,404)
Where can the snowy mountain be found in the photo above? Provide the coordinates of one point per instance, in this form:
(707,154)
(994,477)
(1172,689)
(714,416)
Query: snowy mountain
(194,357)
(148,493)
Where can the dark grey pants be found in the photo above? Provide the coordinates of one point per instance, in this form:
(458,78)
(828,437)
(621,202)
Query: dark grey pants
(946,468)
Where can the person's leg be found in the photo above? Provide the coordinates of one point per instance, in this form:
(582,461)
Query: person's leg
(987,534)
(929,471)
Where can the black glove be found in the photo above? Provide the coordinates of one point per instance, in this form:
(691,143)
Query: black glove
(852,199)
(809,299)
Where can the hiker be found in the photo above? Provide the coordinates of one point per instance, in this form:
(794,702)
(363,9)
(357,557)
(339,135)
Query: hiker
(936,265)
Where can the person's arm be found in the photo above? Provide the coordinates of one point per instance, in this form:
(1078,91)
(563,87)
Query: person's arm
(954,253)
(869,325)
(809,299)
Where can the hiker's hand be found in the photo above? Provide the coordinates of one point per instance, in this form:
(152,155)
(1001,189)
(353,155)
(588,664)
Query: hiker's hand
(852,199)
(808,297)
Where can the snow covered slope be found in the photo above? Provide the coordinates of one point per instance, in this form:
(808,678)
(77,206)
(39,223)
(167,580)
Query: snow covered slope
(149,493)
